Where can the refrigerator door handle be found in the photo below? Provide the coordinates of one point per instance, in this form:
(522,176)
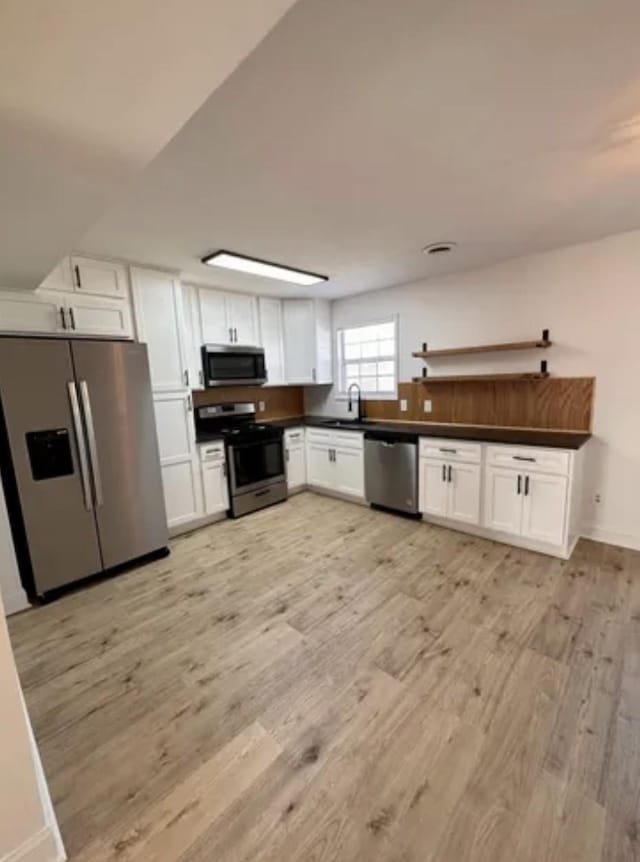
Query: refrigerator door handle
(91,439)
(80,443)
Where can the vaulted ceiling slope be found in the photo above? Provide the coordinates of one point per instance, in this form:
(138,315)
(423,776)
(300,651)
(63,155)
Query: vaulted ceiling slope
(90,92)
(360,130)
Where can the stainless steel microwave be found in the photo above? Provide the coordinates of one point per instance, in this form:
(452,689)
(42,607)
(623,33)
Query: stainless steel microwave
(233,365)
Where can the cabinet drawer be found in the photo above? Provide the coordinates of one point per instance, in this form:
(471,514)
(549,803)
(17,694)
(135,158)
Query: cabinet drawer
(212,451)
(348,439)
(530,458)
(319,435)
(294,437)
(450,450)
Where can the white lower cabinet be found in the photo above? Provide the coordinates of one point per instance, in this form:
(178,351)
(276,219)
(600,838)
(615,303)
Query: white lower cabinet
(528,496)
(434,492)
(335,461)
(214,477)
(450,490)
(464,492)
(544,508)
(502,503)
(531,505)
(295,458)
(178,458)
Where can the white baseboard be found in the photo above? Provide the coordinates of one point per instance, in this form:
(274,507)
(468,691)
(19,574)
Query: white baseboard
(41,847)
(611,537)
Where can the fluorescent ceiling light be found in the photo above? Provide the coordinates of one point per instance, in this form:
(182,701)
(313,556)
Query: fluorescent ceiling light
(252,266)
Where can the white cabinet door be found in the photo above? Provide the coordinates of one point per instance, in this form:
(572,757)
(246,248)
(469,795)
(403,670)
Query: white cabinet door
(319,466)
(464,492)
(271,338)
(176,441)
(296,467)
(433,487)
(95,315)
(322,341)
(242,314)
(544,508)
(21,311)
(192,335)
(348,471)
(180,493)
(214,480)
(299,340)
(99,277)
(158,309)
(216,327)
(502,502)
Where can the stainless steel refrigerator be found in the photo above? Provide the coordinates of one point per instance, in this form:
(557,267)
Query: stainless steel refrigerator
(79,458)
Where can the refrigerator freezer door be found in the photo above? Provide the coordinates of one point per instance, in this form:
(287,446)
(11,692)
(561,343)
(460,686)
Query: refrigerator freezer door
(58,518)
(115,396)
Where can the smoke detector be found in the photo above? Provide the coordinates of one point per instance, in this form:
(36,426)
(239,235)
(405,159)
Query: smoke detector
(439,248)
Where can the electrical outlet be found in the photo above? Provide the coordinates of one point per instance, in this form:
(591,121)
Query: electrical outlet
(403,405)
(427,406)
(261,406)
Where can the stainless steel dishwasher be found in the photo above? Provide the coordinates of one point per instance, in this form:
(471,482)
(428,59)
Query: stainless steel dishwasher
(391,471)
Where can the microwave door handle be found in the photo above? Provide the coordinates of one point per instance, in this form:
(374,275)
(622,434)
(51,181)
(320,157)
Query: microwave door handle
(91,439)
(80,445)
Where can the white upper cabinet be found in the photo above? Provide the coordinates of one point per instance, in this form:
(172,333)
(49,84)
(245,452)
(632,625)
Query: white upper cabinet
(22,311)
(228,318)
(213,313)
(307,341)
(271,338)
(192,335)
(99,277)
(97,315)
(242,314)
(158,307)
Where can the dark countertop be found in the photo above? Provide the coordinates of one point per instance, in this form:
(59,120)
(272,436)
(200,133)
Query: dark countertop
(516,436)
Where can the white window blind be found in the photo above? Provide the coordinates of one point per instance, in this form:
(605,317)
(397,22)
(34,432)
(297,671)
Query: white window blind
(367,355)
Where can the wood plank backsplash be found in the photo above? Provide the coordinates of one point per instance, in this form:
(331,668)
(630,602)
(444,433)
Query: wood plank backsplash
(281,402)
(562,403)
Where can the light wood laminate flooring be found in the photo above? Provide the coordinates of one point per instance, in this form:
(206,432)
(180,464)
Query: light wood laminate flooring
(319,681)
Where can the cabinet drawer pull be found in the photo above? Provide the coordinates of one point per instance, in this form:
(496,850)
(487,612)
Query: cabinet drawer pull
(72,317)
(526,486)
(444,472)
(450,451)
(63,319)
(449,474)
(76,270)
(519,484)
(523,458)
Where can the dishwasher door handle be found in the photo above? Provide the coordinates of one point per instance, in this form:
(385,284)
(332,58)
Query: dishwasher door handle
(387,445)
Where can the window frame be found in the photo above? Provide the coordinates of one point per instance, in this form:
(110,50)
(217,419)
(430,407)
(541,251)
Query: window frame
(341,393)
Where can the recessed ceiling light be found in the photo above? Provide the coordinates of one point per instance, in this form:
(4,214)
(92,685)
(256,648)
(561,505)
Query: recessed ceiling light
(438,248)
(253,266)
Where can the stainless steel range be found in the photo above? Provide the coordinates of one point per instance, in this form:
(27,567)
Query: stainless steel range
(255,454)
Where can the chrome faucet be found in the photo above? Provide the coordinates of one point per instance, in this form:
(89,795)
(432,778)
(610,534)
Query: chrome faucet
(350,405)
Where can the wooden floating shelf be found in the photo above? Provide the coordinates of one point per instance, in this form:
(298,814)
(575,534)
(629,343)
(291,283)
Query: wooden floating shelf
(483,348)
(486,378)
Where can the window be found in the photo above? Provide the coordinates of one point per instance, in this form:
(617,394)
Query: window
(367,356)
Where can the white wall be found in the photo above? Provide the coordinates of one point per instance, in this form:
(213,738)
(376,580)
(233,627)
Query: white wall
(11,591)
(589,297)
(28,830)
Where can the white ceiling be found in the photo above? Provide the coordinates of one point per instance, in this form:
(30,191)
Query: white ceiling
(360,130)
(90,92)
